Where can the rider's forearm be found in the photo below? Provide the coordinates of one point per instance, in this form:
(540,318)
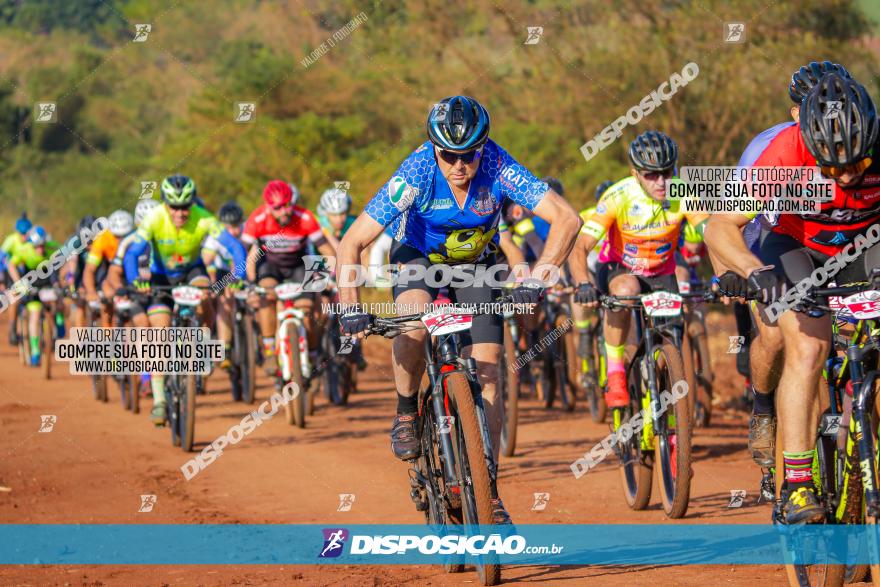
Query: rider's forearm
(89,280)
(560,241)
(726,245)
(577,262)
(349,254)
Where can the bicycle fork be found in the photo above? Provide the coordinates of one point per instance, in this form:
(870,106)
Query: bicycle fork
(862,387)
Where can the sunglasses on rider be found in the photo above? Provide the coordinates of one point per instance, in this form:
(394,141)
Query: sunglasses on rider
(466,158)
(180,208)
(854,169)
(281,207)
(655,175)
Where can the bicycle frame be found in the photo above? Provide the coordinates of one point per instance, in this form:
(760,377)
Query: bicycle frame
(290,317)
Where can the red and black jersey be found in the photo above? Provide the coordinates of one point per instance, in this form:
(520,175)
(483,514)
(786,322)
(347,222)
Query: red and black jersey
(284,245)
(850,213)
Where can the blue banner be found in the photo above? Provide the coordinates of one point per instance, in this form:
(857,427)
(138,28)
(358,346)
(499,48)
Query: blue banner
(624,544)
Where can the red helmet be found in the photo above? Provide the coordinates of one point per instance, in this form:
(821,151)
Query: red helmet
(277,193)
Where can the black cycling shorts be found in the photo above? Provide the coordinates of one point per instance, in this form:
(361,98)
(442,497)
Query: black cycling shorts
(794,262)
(485,327)
(142,302)
(295,274)
(608,271)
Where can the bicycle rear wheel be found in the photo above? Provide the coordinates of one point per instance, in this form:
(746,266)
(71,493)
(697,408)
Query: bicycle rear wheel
(565,353)
(248,367)
(673,444)
(188,412)
(594,378)
(637,468)
(703,371)
(508,388)
(134,393)
(24,345)
(472,470)
(172,403)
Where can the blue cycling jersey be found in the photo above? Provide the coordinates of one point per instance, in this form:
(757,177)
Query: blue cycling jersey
(418,207)
(752,231)
(231,253)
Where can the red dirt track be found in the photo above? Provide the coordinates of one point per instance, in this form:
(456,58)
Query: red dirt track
(97,462)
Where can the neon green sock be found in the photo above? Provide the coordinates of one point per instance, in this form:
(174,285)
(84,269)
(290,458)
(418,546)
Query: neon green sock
(157,384)
(35,345)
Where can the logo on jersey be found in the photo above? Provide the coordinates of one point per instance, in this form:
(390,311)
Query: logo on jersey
(442,204)
(512,179)
(631,248)
(485,203)
(400,193)
(664,248)
(601,208)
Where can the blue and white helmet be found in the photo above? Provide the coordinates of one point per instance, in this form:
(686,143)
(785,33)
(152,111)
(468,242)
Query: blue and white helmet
(458,124)
(37,236)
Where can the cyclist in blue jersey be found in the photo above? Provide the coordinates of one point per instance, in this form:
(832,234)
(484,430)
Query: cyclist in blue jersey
(443,205)
(761,352)
(225,256)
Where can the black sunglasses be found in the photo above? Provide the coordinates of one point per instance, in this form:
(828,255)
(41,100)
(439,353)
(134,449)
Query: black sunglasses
(466,158)
(185,207)
(654,175)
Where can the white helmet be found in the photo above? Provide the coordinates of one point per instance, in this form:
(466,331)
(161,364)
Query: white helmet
(293,190)
(142,209)
(120,223)
(335,201)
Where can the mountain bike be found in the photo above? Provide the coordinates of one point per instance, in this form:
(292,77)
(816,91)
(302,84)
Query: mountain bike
(292,350)
(658,422)
(695,352)
(558,350)
(508,381)
(247,353)
(128,384)
(181,388)
(51,327)
(845,465)
(450,480)
(336,368)
(591,374)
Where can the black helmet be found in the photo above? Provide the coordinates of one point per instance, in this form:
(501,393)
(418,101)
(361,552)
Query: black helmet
(804,79)
(653,151)
(230,213)
(600,189)
(554,184)
(838,121)
(86,222)
(458,123)
(178,190)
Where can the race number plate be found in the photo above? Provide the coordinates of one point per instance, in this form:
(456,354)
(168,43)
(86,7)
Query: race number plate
(288,291)
(186,295)
(47,295)
(684,286)
(662,303)
(864,305)
(122,304)
(444,322)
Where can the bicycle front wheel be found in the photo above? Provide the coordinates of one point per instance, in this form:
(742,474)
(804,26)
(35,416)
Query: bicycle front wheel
(673,445)
(47,344)
(294,410)
(188,412)
(472,469)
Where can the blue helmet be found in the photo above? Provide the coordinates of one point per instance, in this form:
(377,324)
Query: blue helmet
(22,225)
(37,236)
(458,124)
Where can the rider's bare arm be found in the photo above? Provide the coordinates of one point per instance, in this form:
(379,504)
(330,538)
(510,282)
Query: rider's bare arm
(579,254)
(89,281)
(250,264)
(727,249)
(515,257)
(361,234)
(564,226)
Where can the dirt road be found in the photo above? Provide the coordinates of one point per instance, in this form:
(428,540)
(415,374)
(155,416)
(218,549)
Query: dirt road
(98,460)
